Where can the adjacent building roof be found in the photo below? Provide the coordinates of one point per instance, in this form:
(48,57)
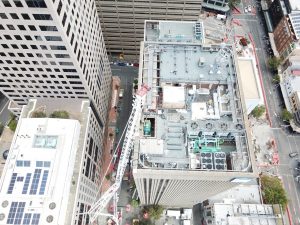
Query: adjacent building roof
(37,181)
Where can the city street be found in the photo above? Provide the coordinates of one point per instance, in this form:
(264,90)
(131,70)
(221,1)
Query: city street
(254,24)
(4,112)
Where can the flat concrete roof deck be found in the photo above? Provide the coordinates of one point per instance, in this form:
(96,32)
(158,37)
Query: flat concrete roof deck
(249,83)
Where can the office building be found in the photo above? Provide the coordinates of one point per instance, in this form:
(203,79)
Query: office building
(193,140)
(122,22)
(284,37)
(53,49)
(240,205)
(294,15)
(51,175)
(290,89)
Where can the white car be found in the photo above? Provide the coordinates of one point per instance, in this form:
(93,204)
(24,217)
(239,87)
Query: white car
(246,9)
(249,8)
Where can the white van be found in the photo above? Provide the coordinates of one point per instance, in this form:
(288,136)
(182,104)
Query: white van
(121,93)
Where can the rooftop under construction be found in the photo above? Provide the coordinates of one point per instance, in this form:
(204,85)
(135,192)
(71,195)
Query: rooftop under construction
(193,114)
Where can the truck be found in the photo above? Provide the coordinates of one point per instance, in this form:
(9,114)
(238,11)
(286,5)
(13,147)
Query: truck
(221,17)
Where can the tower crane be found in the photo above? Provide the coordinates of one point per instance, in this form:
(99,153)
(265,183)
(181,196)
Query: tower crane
(134,118)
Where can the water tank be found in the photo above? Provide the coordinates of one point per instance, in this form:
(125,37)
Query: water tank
(147,127)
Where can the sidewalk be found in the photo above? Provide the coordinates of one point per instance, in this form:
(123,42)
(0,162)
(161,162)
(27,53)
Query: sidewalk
(5,142)
(109,136)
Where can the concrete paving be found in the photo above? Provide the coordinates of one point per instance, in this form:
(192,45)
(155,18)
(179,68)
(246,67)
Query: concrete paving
(5,142)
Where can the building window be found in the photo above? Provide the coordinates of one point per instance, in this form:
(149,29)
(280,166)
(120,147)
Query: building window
(36,3)
(25,16)
(42,17)
(48,28)
(21,27)
(59,7)
(18,3)
(11,27)
(32,27)
(14,16)
(3,16)
(6,3)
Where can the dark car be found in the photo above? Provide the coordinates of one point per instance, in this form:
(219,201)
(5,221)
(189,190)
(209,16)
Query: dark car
(5,154)
(293,154)
(121,64)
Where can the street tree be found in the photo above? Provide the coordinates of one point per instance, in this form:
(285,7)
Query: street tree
(276,79)
(233,3)
(155,211)
(258,111)
(274,62)
(286,115)
(273,191)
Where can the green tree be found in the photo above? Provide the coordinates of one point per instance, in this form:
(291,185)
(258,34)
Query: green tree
(233,3)
(38,114)
(276,79)
(258,111)
(155,211)
(273,191)
(13,124)
(134,203)
(274,62)
(286,115)
(60,114)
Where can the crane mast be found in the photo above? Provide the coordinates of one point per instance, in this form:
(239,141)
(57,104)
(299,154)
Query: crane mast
(134,118)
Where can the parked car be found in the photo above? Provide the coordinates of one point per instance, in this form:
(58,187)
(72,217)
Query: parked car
(5,154)
(246,9)
(121,93)
(121,64)
(293,154)
(249,8)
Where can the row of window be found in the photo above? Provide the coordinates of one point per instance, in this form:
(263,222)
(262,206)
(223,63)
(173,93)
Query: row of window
(31,27)
(29,3)
(15,16)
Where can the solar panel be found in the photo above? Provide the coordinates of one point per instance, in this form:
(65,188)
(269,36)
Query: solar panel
(12,213)
(35,219)
(12,183)
(20,178)
(16,212)
(20,212)
(26,183)
(44,182)
(35,181)
(27,218)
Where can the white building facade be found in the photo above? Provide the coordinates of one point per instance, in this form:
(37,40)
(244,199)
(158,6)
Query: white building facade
(52,171)
(53,49)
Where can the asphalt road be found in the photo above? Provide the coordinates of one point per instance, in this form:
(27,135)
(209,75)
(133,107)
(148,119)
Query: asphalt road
(286,143)
(127,75)
(4,112)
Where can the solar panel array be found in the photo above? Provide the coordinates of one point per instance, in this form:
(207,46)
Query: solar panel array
(12,183)
(44,182)
(35,181)
(16,212)
(26,184)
